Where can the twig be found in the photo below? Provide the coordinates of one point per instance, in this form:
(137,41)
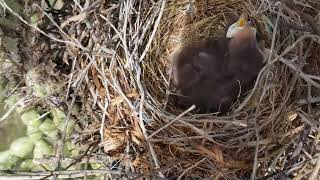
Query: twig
(71,76)
(288,49)
(255,163)
(155,28)
(275,33)
(93,145)
(311,122)
(81,160)
(12,109)
(61,174)
(124,30)
(300,73)
(295,155)
(315,172)
(124,44)
(201,132)
(191,167)
(309,19)
(102,126)
(141,121)
(171,122)
(60,144)
(311,22)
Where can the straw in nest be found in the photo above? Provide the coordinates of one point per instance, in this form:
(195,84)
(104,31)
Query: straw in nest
(120,53)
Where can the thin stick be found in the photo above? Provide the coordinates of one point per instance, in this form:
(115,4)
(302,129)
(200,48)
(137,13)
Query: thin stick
(71,76)
(315,173)
(155,28)
(191,167)
(102,126)
(288,49)
(63,174)
(255,163)
(171,122)
(141,121)
(12,109)
(275,33)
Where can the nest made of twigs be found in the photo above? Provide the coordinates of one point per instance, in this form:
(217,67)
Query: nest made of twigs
(256,130)
(120,54)
(217,144)
(248,140)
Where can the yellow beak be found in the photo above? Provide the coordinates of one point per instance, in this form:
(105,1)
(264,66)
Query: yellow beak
(242,20)
(239,26)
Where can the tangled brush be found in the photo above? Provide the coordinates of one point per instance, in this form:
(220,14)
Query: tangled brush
(120,53)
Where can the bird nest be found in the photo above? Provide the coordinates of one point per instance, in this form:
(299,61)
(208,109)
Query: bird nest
(252,137)
(120,54)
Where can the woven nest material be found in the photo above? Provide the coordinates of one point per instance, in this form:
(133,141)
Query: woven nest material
(120,54)
(183,23)
(253,139)
(259,127)
(214,145)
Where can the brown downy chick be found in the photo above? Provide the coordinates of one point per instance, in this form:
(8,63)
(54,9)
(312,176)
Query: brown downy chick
(212,74)
(198,72)
(245,58)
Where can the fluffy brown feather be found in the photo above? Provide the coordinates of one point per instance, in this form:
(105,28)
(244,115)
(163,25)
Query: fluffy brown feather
(212,74)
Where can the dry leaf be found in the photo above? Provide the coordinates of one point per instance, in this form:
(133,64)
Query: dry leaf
(78,18)
(215,153)
(141,164)
(98,84)
(113,141)
(120,99)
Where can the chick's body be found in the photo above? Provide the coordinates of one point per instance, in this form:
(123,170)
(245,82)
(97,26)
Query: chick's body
(214,73)
(198,74)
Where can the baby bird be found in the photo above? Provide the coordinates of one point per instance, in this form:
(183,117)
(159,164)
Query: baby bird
(214,73)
